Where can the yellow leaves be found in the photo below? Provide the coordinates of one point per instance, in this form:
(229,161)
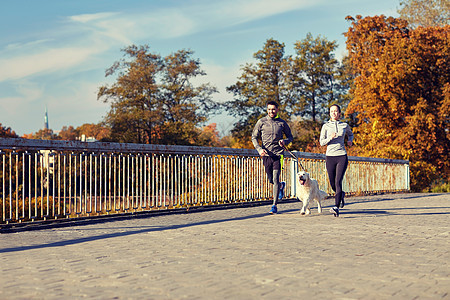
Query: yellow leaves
(401,91)
(153,95)
(349,18)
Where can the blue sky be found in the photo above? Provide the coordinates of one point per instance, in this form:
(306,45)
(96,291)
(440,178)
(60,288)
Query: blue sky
(54,53)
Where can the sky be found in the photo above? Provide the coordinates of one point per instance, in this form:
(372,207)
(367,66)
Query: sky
(54,53)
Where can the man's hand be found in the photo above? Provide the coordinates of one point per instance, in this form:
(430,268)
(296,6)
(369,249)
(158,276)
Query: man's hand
(263,153)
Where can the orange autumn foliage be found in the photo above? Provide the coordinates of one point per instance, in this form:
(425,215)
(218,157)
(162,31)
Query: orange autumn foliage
(402,94)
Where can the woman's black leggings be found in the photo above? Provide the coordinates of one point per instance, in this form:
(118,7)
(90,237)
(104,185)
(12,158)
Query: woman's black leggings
(336,167)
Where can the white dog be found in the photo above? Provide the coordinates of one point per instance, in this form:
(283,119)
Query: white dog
(308,191)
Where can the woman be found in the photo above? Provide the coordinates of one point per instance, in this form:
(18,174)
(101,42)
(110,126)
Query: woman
(332,134)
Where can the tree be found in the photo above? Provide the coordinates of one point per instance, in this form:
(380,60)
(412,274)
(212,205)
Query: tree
(42,134)
(425,12)
(314,77)
(259,83)
(154,100)
(7,132)
(304,85)
(209,136)
(306,135)
(68,133)
(401,94)
(318,80)
(98,131)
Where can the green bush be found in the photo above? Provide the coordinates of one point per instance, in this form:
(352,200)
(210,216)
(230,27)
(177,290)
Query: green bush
(441,188)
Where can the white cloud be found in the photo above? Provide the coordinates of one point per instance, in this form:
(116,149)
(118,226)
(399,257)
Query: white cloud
(29,45)
(86,18)
(15,109)
(111,25)
(44,62)
(125,28)
(172,22)
(245,11)
(208,15)
(25,92)
(101,31)
(30,91)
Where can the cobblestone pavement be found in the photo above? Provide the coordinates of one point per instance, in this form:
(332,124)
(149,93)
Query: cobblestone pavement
(391,246)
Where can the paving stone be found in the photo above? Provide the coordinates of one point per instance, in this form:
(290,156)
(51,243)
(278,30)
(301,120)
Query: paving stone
(391,246)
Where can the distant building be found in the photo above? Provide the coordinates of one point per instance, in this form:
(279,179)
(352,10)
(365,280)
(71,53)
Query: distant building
(47,157)
(84,138)
(46,119)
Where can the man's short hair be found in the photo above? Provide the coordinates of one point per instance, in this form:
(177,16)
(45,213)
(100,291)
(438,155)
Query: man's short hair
(271,102)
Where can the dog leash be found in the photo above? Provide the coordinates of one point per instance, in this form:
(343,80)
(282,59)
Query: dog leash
(298,160)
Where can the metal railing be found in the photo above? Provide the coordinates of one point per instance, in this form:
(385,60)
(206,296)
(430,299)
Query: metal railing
(45,180)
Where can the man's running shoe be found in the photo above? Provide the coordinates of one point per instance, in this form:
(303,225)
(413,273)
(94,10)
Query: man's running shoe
(281,193)
(335,211)
(273,210)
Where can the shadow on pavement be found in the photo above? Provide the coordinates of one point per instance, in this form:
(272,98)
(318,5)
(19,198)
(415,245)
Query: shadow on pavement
(379,198)
(127,233)
(415,211)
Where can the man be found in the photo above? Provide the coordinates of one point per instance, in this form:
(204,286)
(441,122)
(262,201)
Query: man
(270,130)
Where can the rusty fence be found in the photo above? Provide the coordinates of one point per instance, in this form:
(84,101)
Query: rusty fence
(49,180)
